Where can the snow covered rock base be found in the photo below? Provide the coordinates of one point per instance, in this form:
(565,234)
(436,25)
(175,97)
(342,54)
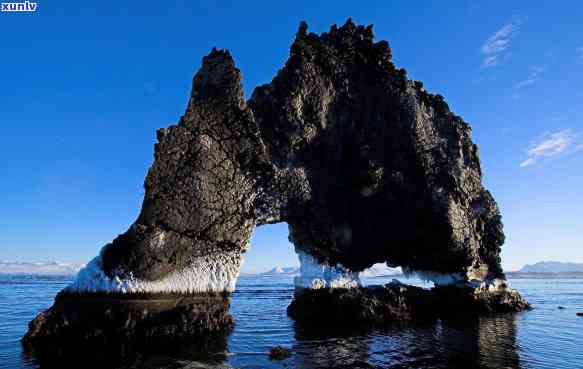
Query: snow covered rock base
(204,274)
(314,275)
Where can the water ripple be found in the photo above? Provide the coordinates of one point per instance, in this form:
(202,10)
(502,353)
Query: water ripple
(546,337)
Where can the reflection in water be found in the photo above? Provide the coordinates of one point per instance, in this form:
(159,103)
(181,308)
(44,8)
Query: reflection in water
(546,337)
(485,342)
(261,323)
(497,342)
(330,348)
(208,353)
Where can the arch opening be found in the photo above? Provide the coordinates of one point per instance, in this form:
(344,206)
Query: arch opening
(273,254)
(270,251)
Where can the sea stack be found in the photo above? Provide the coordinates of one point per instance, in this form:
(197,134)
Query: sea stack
(363,164)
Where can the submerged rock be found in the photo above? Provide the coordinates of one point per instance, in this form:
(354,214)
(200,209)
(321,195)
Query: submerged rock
(378,305)
(279,353)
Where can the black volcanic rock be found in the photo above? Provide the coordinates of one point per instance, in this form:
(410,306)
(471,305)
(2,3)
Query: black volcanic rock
(379,305)
(362,163)
(108,327)
(279,353)
(199,191)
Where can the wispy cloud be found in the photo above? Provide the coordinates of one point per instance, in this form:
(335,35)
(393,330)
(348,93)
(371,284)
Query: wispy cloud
(579,52)
(551,145)
(490,61)
(528,162)
(498,43)
(533,77)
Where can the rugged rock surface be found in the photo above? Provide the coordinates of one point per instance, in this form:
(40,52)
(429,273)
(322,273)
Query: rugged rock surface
(118,325)
(363,164)
(378,305)
(279,353)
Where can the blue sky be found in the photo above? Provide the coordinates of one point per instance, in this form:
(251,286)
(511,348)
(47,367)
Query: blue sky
(84,87)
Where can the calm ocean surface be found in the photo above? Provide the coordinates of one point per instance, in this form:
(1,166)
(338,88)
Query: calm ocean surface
(545,337)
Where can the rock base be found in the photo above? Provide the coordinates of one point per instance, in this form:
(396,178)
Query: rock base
(397,302)
(110,326)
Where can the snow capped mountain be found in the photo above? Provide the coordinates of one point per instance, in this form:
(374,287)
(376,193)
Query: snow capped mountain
(379,270)
(52,267)
(279,270)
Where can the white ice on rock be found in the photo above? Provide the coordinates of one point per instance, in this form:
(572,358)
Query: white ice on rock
(315,275)
(494,285)
(215,273)
(435,277)
(491,285)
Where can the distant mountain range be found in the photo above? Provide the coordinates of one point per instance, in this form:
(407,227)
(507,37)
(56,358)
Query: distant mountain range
(552,267)
(543,269)
(377,270)
(380,270)
(51,268)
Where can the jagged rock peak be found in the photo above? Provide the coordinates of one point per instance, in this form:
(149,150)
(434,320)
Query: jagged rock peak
(218,79)
(349,41)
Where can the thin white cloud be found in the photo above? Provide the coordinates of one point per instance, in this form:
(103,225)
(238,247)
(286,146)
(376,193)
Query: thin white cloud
(536,70)
(498,43)
(551,145)
(579,52)
(500,40)
(528,162)
(533,77)
(524,83)
(490,61)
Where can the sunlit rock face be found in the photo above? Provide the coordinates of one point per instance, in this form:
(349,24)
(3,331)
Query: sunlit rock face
(363,164)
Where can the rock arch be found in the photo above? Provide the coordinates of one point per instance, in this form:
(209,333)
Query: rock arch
(362,163)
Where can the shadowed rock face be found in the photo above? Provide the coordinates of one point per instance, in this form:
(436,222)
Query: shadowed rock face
(362,163)
(103,330)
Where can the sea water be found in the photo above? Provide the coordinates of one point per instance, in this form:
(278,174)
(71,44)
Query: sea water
(546,337)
